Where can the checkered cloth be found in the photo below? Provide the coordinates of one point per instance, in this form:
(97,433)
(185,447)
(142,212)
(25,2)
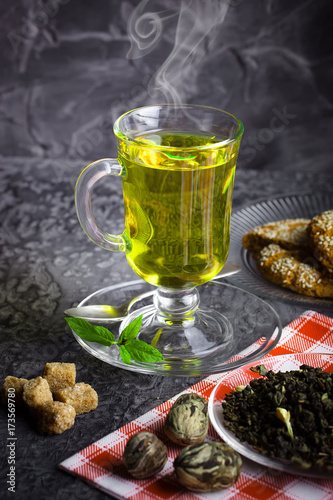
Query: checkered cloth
(101,465)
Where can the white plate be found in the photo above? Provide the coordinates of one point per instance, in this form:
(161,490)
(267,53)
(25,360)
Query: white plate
(242,376)
(285,207)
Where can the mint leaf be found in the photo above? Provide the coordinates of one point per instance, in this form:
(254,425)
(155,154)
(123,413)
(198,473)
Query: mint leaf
(125,356)
(141,351)
(90,332)
(131,330)
(130,348)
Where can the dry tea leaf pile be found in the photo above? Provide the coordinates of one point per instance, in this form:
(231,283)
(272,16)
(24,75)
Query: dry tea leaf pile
(286,415)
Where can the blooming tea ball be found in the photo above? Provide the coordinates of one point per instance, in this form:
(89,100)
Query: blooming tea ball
(208,466)
(145,455)
(187,421)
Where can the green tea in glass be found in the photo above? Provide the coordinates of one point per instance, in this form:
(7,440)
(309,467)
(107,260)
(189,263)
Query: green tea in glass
(177,165)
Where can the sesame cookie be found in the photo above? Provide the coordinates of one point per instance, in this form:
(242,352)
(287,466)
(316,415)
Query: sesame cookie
(295,270)
(290,234)
(320,234)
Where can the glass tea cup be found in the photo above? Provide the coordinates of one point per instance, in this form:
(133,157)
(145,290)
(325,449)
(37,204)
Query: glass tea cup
(177,164)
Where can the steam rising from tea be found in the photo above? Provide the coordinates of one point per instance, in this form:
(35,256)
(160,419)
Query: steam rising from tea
(193,25)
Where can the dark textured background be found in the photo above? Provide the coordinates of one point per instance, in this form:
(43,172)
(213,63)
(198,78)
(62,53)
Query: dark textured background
(65,77)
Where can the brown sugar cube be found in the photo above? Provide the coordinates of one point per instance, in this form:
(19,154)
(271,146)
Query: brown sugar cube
(54,417)
(16,394)
(81,396)
(36,392)
(59,375)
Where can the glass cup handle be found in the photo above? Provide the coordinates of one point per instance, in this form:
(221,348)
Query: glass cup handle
(83,189)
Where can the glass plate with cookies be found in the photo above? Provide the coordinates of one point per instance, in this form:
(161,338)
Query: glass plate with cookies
(285,248)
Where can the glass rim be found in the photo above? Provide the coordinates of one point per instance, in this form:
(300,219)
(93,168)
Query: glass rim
(132,141)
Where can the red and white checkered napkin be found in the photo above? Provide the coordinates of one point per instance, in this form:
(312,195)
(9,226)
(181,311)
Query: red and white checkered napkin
(101,463)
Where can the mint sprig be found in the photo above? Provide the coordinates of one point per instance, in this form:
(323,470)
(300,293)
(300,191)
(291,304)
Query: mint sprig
(130,348)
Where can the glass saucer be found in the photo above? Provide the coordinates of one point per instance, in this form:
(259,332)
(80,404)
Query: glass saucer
(242,376)
(285,207)
(256,329)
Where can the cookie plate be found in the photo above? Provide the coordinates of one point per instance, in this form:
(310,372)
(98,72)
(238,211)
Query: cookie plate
(286,207)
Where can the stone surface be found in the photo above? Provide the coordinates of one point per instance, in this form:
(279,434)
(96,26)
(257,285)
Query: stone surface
(65,78)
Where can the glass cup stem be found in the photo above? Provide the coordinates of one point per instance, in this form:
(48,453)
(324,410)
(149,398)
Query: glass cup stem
(176,305)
